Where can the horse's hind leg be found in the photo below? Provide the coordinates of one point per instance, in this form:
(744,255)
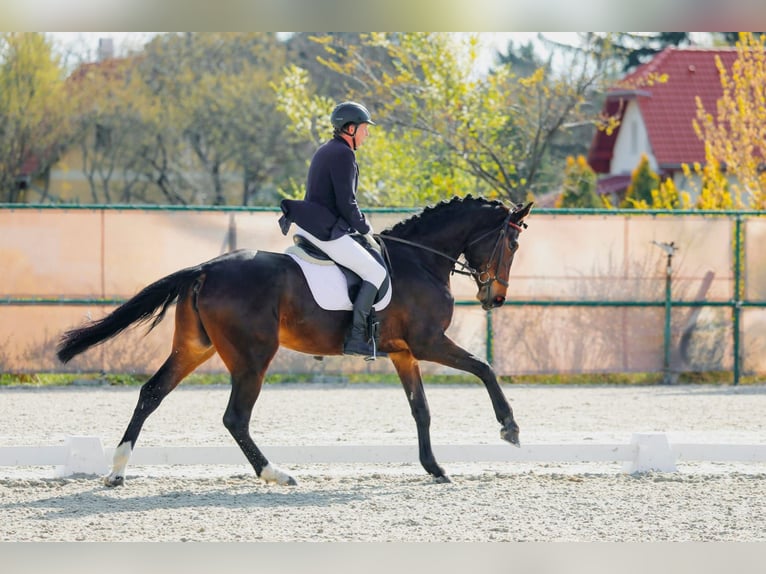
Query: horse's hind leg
(191,348)
(245,387)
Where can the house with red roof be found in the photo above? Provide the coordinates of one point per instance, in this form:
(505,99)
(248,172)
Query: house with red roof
(655,106)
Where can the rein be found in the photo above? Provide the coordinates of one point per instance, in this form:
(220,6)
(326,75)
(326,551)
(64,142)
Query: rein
(466,269)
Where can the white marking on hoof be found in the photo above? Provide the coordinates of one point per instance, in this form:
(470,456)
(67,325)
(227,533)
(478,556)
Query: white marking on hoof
(119,464)
(113,480)
(271,473)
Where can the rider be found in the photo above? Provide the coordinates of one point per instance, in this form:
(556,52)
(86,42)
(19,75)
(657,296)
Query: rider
(329,214)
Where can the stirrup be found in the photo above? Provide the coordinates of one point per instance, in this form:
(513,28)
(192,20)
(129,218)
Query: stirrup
(367,349)
(359,349)
(375,352)
(373,328)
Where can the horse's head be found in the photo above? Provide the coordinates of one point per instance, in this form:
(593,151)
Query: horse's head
(491,253)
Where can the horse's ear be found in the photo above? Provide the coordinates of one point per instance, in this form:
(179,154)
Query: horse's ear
(521,212)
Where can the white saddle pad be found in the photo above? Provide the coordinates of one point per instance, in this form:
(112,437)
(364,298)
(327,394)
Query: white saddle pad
(329,288)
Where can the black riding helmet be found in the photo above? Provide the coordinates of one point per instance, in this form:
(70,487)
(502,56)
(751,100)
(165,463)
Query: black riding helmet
(350,113)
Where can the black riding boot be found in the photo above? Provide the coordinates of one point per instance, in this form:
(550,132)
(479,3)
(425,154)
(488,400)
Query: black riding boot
(357,341)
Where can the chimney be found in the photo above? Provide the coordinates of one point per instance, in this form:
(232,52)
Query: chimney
(105,49)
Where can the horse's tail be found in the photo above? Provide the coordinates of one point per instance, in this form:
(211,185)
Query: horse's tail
(149,304)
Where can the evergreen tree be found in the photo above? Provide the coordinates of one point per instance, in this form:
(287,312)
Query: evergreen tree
(579,186)
(522,58)
(642,183)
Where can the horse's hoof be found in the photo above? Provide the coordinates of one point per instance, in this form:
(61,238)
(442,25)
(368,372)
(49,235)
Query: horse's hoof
(443,479)
(270,473)
(511,435)
(114,480)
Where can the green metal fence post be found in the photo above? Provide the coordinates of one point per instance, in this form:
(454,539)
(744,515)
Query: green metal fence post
(490,354)
(667,379)
(669,249)
(736,309)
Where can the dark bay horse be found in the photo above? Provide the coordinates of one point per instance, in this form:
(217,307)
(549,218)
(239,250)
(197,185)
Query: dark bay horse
(246,304)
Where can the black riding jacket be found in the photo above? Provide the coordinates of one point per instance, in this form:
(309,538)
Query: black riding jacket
(329,209)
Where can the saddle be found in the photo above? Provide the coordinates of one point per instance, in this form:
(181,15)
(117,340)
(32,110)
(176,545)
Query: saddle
(334,287)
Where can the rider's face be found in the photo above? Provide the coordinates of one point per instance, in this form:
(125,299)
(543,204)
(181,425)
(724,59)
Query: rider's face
(361,134)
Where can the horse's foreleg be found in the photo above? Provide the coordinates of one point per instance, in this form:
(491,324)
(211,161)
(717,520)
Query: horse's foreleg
(446,352)
(409,373)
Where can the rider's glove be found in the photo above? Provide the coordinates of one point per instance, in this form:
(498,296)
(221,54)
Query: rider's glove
(371,240)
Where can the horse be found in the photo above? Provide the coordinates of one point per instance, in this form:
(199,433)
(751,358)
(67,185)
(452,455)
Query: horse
(245,304)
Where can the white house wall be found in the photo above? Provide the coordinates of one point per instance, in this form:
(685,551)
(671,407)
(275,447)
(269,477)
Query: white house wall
(632,141)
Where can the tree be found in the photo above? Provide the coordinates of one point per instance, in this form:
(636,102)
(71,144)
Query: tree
(189,120)
(305,52)
(728,38)
(643,182)
(573,137)
(456,131)
(579,187)
(33,110)
(523,58)
(735,136)
(632,49)
(635,49)
(713,190)
(390,173)
(667,196)
(216,96)
(113,119)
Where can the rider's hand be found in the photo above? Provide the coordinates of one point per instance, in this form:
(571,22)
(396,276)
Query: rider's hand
(371,240)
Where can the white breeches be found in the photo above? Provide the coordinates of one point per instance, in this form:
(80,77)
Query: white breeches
(348,253)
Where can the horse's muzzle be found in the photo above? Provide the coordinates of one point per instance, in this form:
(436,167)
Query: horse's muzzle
(493,303)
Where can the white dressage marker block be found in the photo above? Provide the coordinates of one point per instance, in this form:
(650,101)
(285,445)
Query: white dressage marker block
(646,452)
(653,452)
(85,455)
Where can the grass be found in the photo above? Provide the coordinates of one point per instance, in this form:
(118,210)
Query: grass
(627,379)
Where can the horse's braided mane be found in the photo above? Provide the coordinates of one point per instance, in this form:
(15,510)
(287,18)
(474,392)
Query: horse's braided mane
(411,224)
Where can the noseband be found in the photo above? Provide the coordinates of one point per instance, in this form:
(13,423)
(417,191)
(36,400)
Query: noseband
(482,276)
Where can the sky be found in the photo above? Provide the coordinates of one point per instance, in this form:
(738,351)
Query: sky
(85,44)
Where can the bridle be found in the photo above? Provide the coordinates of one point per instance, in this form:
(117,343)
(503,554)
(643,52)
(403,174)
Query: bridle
(481,276)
